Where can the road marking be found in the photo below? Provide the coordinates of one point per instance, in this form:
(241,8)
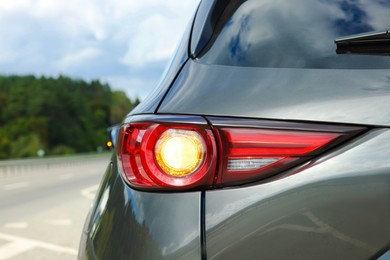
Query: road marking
(19,245)
(17,225)
(66,177)
(90,192)
(14,248)
(61,222)
(15,186)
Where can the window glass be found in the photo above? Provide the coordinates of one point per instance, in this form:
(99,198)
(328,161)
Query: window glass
(296,34)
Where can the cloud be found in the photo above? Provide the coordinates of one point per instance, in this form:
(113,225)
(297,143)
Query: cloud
(124,43)
(74,58)
(153,41)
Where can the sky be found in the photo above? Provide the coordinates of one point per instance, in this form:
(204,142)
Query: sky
(125,43)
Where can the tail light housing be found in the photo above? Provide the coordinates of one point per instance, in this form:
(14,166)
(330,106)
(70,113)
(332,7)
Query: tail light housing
(171,153)
(193,153)
(248,154)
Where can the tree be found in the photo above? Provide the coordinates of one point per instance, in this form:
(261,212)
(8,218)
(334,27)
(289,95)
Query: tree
(60,115)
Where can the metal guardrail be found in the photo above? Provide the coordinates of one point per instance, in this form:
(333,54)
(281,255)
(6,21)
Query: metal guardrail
(23,166)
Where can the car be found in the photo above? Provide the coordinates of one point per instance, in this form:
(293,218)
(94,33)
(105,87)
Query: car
(267,138)
(112,137)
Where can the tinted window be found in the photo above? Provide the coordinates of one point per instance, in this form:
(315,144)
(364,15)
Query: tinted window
(296,34)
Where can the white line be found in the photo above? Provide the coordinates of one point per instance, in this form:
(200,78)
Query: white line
(66,177)
(61,222)
(35,243)
(15,186)
(90,192)
(14,248)
(17,225)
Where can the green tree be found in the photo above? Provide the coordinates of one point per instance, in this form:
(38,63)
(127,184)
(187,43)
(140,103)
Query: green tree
(60,115)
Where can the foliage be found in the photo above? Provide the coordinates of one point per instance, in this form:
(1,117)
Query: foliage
(59,115)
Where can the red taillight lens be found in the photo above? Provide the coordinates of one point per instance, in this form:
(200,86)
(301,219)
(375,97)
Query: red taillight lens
(250,153)
(165,155)
(185,153)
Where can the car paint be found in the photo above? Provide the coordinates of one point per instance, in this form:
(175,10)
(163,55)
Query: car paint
(128,224)
(338,96)
(338,208)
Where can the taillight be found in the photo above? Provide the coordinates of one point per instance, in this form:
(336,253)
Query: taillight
(187,153)
(165,154)
(180,152)
(250,154)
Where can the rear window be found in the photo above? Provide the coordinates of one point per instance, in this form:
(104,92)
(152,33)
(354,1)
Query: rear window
(296,34)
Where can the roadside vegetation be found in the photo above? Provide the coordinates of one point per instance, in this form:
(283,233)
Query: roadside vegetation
(57,115)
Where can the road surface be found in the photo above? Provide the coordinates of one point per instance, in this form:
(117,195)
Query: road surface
(42,212)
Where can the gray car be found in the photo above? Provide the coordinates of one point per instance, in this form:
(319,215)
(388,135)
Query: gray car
(268,138)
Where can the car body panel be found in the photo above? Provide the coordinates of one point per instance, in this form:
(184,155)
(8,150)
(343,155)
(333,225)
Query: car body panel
(129,224)
(338,208)
(338,96)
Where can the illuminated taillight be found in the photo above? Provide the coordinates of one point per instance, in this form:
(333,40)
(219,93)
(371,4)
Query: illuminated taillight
(192,153)
(168,155)
(255,153)
(179,152)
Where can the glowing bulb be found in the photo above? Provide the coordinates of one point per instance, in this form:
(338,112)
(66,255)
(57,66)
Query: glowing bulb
(179,152)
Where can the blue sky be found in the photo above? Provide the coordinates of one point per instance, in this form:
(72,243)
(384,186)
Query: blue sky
(125,43)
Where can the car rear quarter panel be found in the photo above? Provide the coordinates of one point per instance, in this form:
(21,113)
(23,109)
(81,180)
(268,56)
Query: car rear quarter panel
(129,224)
(335,208)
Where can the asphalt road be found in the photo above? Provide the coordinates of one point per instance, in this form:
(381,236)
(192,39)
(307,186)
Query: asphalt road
(42,213)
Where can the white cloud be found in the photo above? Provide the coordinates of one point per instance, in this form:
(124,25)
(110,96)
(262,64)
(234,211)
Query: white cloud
(77,57)
(10,6)
(155,40)
(107,39)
